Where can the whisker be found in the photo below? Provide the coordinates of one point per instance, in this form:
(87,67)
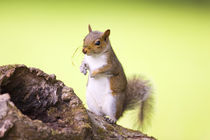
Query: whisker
(72,58)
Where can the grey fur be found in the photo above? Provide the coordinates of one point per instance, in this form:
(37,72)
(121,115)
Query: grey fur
(139,95)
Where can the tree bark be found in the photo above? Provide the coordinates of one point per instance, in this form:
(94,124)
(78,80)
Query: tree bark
(36,106)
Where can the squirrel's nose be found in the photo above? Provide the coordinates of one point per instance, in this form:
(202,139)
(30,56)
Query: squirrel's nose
(84,51)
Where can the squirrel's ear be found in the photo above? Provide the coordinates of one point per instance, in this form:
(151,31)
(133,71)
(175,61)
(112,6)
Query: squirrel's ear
(89,28)
(106,34)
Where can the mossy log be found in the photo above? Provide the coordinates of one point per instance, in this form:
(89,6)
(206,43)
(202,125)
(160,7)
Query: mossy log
(36,106)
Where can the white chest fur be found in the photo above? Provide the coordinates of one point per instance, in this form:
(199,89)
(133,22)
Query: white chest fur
(95,62)
(99,97)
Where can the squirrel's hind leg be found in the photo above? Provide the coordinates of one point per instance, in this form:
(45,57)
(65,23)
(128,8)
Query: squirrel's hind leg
(112,107)
(92,105)
(109,108)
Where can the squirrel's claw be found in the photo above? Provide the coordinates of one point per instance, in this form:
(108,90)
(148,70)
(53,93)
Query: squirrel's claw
(110,120)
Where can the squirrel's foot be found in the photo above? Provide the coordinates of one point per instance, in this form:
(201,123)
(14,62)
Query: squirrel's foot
(110,120)
(83,68)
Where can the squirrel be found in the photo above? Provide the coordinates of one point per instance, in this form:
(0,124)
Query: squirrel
(108,92)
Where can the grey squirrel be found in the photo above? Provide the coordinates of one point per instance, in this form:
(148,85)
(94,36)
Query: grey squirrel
(108,92)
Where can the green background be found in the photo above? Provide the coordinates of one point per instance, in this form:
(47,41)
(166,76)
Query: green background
(167,42)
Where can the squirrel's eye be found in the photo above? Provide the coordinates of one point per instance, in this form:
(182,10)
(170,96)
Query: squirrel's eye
(97,43)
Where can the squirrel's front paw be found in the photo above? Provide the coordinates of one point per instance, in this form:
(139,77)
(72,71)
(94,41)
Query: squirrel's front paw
(83,68)
(93,74)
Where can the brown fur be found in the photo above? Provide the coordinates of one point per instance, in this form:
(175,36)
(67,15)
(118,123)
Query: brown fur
(89,43)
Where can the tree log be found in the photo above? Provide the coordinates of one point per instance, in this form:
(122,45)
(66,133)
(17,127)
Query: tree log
(36,106)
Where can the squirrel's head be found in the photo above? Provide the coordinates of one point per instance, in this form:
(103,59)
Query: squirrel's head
(96,42)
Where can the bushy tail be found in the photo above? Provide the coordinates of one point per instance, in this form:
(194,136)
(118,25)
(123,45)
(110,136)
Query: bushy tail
(139,95)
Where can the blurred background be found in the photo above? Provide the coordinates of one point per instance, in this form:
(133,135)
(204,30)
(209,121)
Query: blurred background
(168,42)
